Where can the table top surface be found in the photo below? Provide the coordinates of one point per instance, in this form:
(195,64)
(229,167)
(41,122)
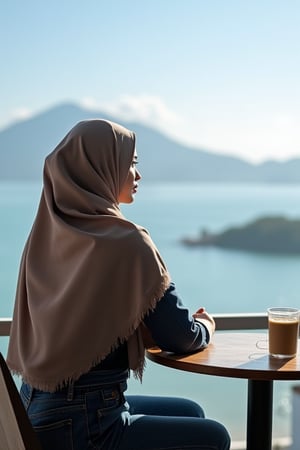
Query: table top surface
(234,355)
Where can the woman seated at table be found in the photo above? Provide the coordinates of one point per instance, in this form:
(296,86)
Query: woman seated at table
(90,282)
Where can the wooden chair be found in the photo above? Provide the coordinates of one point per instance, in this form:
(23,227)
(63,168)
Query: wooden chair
(16,432)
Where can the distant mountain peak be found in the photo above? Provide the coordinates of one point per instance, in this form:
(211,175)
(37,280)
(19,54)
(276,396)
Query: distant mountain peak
(24,145)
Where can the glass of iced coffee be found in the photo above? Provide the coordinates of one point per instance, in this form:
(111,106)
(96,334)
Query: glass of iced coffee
(283,323)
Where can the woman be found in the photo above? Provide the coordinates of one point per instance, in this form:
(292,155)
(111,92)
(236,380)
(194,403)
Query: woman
(91,283)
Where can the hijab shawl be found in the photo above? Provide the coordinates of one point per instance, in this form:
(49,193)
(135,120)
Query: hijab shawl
(87,275)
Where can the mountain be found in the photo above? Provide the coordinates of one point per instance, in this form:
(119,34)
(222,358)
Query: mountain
(269,234)
(24,145)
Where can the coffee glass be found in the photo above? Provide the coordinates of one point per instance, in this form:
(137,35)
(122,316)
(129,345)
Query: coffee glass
(283,324)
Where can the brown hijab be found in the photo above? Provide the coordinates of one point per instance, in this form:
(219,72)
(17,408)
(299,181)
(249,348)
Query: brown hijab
(88,275)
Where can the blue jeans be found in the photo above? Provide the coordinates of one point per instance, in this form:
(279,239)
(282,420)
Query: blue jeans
(93,414)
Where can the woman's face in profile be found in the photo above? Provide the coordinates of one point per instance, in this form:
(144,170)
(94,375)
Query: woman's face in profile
(130,186)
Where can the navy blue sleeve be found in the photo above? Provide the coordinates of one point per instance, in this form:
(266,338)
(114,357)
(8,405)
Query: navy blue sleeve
(173,328)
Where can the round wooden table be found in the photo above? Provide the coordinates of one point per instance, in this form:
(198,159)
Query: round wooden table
(236,355)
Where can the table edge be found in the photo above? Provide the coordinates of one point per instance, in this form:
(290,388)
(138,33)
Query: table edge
(170,360)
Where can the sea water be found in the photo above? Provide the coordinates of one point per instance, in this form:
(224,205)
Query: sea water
(224,281)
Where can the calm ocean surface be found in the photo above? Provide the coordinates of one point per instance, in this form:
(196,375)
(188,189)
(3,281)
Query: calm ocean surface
(221,280)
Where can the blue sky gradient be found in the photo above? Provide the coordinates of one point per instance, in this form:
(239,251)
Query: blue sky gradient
(220,74)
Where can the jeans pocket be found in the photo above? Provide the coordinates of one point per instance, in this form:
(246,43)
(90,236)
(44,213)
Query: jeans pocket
(56,435)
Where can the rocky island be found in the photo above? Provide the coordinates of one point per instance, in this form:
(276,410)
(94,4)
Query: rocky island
(266,234)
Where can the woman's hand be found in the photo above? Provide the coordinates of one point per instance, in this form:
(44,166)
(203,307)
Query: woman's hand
(204,317)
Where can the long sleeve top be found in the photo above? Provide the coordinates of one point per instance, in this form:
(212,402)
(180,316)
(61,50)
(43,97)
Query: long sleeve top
(172,328)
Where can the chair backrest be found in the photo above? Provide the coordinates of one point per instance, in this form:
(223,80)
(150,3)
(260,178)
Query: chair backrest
(16,432)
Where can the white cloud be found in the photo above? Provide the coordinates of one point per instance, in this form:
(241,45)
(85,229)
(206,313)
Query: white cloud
(89,103)
(147,109)
(21,113)
(16,115)
(253,138)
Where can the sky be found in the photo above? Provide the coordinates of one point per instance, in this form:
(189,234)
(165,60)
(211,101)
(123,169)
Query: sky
(220,75)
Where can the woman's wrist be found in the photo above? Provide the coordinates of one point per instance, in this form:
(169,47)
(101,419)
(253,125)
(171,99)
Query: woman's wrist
(208,325)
